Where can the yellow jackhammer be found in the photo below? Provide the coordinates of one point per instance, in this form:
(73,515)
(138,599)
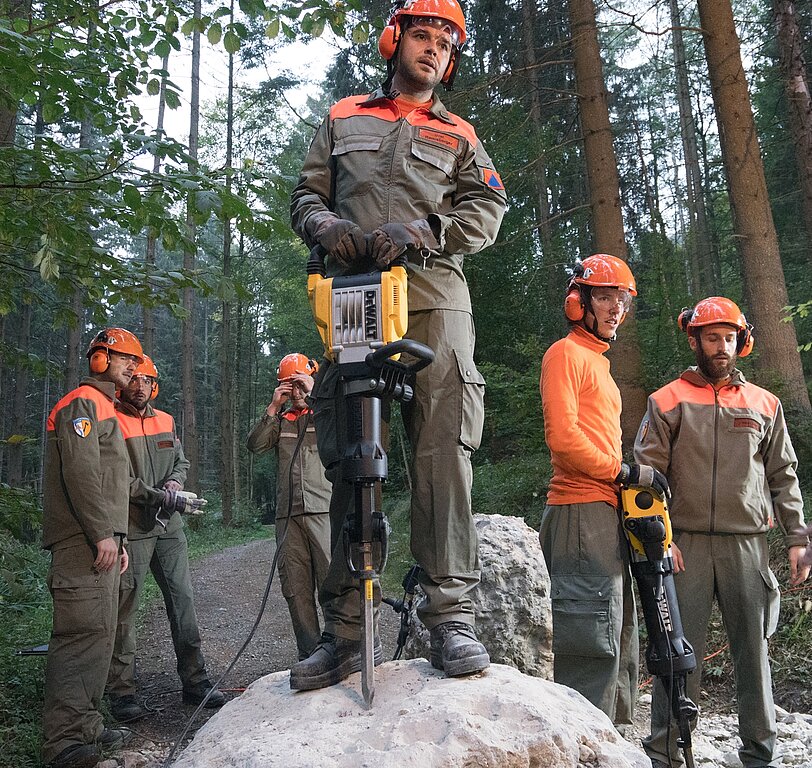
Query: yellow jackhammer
(361,320)
(669,656)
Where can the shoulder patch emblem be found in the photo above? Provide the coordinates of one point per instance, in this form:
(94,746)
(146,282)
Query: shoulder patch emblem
(82,426)
(437,137)
(492,179)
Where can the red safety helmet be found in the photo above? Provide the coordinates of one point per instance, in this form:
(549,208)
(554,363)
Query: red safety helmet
(714,310)
(295,363)
(600,270)
(112,340)
(148,370)
(444,10)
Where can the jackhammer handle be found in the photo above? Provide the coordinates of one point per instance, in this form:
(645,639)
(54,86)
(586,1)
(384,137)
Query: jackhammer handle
(315,262)
(424,354)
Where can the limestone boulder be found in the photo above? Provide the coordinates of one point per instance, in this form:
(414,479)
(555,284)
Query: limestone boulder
(513,611)
(419,719)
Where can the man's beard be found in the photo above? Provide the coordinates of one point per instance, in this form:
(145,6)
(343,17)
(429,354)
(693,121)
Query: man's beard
(713,368)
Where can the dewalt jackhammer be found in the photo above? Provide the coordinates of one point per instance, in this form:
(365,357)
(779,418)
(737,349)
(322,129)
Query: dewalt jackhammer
(362,320)
(669,656)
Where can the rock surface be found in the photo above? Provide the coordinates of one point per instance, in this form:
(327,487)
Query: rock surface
(419,719)
(513,614)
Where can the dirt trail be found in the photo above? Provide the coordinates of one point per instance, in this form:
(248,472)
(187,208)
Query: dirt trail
(228,593)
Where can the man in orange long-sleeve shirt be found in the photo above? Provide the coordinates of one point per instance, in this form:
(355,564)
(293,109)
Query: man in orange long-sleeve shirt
(594,619)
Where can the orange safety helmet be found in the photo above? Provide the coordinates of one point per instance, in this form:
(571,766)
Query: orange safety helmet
(115,340)
(718,309)
(600,270)
(295,363)
(148,370)
(445,10)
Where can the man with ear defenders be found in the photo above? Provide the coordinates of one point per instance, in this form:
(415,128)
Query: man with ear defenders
(84,525)
(157,543)
(302,496)
(723,444)
(594,619)
(391,174)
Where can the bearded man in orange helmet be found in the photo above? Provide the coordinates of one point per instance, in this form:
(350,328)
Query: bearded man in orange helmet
(302,495)
(595,641)
(158,544)
(84,525)
(724,446)
(393,174)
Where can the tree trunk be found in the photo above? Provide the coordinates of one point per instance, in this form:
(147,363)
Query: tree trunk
(604,191)
(796,82)
(778,360)
(228,446)
(21,378)
(73,352)
(188,354)
(701,253)
(148,314)
(9,10)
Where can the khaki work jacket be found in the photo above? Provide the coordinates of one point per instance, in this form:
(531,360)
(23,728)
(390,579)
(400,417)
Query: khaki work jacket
(87,472)
(156,456)
(311,489)
(369,165)
(727,455)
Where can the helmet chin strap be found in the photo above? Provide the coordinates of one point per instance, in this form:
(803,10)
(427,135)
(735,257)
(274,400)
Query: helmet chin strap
(594,329)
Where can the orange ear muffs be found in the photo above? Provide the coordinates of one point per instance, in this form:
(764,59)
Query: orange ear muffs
(574,305)
(684,317)
(154,390)
(388,41)
(313,366)
(99,361)
(744,342)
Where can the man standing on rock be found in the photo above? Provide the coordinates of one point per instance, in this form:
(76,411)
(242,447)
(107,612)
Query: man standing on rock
(389,174)
(595,643)
(302,496)
(84,525)
(723,444)
(156,543)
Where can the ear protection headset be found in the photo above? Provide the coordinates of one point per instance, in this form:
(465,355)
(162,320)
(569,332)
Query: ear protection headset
(99,361)
(744,335)
(574,307)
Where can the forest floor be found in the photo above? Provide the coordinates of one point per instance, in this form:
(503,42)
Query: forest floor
(229,586)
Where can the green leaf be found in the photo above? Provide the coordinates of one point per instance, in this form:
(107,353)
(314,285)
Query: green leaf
(154,86)
(172,99)
(215,33)
(360,33)
(162,48)
(272,30)
(231,42)
(172,23)
(132,196)
(188,26)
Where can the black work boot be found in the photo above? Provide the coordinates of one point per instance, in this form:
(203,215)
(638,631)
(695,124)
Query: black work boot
(194,694)
(126,708)
(76,756)
(334,660)
(456,650)
(112,739)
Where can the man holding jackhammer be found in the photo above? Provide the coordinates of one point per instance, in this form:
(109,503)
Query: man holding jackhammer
(157,543)
(391,174)
(302,496)
(595,640)
(723,444)
(84,525)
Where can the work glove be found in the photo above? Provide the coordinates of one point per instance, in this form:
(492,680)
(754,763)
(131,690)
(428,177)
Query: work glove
(183,502)
(343,240)
(391,240)
(644,476)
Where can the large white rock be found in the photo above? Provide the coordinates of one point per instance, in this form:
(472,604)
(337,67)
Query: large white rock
(419,719)
(513,613)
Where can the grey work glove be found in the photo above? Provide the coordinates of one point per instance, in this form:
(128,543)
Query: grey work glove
(391,240)
(182,502)
(343,240)
(644,476)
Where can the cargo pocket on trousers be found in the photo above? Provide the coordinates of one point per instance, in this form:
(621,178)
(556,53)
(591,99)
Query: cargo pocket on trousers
(78,603)
(582,616)
(472,402)
(773,602)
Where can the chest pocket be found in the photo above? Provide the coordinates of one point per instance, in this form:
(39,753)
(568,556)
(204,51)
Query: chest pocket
(356,159)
